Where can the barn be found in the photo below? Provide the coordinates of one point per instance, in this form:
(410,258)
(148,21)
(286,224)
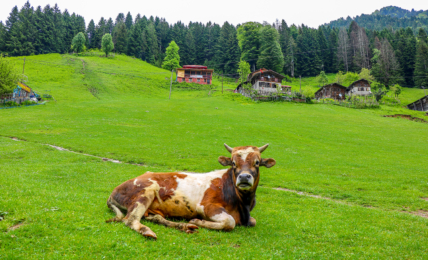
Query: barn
(419,105)
(195,74)
(333,91)
(360,87)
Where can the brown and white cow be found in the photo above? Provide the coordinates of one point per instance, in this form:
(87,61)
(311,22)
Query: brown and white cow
(216,200)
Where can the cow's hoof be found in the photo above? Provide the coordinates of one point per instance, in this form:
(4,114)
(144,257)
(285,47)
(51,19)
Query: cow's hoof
(190,228)
(148,233)
(252,222)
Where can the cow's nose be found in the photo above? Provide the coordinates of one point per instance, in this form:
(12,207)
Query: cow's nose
(245,176)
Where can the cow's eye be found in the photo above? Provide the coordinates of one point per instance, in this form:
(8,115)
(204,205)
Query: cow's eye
(233,164)
(256,163)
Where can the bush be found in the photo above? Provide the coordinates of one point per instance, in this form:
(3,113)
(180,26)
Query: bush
(11,104)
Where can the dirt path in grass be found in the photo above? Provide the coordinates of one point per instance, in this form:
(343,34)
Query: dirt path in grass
(420,213)
(90,155)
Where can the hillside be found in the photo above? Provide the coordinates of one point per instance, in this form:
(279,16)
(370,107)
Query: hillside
(387,17)
(353,183)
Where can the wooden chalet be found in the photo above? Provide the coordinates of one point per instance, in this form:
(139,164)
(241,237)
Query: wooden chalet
(195,74)
(265,82)
(360,87)
(333,91)
(419,105)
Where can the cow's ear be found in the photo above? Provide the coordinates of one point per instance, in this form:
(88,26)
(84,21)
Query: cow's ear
(268,162)
(225,161)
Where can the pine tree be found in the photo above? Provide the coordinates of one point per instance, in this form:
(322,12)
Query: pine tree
(333,63)
(324,51)
(27,32)
(13,27)
(227,51)
(385,68)
(135,42)
(119,38)
(109,26)
(38,22)
(99,33)
(128,21)
(151,53)
(91,34)
(271,56)
(119,19)
(58,30)
(421,65)
(189,49)
(2,37)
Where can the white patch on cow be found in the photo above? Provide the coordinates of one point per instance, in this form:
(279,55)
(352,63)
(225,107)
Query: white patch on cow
(135,183)
(193,187)
(245,153)
(227,220)
(154,188)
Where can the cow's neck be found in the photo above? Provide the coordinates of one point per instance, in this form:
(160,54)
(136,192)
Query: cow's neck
(239,200)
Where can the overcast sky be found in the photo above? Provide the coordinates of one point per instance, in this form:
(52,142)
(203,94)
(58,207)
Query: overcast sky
(312,13)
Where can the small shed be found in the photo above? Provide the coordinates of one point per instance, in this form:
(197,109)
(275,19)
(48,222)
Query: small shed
(360,87)
(265,82)
(195,74)
(420,104)
(333,91)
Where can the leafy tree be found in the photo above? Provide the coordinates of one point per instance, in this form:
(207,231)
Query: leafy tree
(249,42)
(378,90)
(340,78)
(78,43)
(350,77)
(8,76)
(322,79)
(172,58)
(396,89)
(366,74)
(271,56)
(107,44)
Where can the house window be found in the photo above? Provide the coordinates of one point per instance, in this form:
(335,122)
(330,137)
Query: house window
(208,81)
(193,72)
(199,80)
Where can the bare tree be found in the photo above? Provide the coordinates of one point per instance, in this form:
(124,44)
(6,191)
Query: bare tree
(343,49)
(387,67)
(360,46)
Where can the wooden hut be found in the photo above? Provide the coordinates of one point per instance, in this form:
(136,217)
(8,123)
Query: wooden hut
(264,82)
(333,91)
(360,87)
(195,74)
(419,105)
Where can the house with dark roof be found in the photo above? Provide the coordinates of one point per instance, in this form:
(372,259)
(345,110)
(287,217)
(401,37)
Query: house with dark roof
(333,91)
(360,87)
(420,104)
(264,82)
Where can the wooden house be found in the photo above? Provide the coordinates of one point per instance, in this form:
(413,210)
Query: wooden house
(264,82)
(359,88)
(195,74)
(419,105)
(333,91)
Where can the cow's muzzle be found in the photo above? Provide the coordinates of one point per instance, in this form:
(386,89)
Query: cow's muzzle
(244,181)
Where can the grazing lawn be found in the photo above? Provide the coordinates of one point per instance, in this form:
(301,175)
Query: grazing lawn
(370,170)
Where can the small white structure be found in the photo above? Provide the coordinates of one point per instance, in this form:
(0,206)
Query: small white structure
(265,82)
(359,88)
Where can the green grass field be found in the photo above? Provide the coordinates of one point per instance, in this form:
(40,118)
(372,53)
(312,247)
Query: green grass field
(370,172)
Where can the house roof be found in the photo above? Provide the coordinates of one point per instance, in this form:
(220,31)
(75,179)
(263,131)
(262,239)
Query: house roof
(418,100)
(330,85)
(355,82)
(24,87)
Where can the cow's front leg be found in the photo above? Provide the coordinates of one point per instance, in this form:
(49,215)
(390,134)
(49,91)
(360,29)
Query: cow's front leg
(217,219)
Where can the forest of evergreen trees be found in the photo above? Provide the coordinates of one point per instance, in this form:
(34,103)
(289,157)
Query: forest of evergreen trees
(394,55)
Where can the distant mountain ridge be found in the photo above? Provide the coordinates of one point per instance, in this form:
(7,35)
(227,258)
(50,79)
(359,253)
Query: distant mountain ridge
(387,17)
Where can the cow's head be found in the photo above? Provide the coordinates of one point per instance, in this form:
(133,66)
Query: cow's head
(245,162)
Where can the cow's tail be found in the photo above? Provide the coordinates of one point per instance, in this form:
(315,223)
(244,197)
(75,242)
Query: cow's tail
(114,206)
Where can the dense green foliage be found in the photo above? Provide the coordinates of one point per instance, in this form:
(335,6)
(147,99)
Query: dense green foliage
(8,76)
(78,43)
(172,58)
(372,169)
(292,50)
(107,44)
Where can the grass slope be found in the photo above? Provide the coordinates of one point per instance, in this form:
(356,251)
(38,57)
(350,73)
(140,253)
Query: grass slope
(119,108)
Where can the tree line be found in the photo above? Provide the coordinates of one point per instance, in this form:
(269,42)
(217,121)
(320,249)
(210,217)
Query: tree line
(394,56)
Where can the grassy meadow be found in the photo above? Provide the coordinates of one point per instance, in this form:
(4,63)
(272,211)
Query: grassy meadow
(370,171)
